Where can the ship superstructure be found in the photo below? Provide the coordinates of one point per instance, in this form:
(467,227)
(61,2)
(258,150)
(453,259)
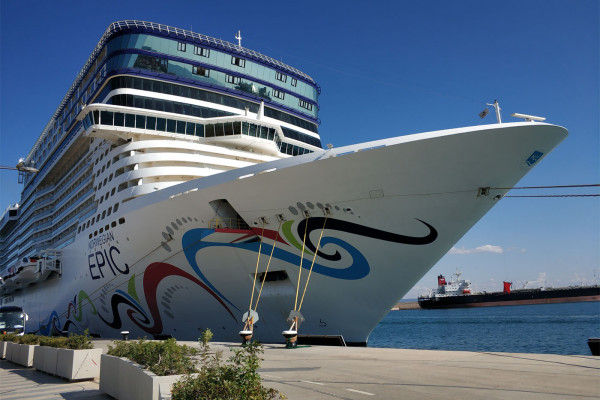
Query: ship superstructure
(182,179)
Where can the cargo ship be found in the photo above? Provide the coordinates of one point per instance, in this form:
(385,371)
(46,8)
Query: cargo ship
(458,294)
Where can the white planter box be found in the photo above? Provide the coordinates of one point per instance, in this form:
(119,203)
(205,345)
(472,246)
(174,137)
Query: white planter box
(3,350)
(78,364)
(45,358)
(21,354)
(123,379)
(10,349)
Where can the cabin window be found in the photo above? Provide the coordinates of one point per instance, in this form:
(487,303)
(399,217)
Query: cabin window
(233,79)
(240,62)
(180,46)
(278,93)
(280,77)
(201,51)
(200,71)
(294,82)
(305,104)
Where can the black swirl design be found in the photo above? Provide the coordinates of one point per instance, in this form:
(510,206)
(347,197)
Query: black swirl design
(115,301)
(316,223)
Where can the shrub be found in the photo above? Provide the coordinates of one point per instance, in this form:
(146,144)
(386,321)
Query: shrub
(237,380)
(74,341)
(8,337)
(28,339)
(161,357)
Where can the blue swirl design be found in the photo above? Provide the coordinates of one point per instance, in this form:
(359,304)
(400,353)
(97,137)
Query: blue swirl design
(192,243)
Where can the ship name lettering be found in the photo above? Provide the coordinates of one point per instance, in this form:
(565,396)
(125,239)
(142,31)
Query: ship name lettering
(102,259)
(103,238)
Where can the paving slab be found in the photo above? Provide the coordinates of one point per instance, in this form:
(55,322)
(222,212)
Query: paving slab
(319,372)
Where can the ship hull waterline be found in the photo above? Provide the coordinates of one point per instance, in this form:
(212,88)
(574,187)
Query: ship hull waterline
(393,208)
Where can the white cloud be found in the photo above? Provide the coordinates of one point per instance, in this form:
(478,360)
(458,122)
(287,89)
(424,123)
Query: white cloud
(486,248)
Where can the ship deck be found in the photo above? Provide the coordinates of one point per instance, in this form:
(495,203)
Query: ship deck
(362,373)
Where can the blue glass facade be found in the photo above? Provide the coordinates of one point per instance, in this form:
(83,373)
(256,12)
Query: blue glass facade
(183,59)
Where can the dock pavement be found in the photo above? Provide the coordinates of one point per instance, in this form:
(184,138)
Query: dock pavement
(319,372)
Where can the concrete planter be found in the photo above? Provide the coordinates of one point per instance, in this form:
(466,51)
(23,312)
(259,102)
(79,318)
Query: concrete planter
(78,364)
(44,359)
(3,350)
(21,354)
(123,379)
(66,363)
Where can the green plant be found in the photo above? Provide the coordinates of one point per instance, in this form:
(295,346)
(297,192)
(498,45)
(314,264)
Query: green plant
(28,339)
(74,341)
(238,379)
(161,357)
(8,337)
(77,342)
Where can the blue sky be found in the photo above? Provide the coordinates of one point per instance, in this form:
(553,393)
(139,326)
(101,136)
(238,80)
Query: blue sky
(387,68)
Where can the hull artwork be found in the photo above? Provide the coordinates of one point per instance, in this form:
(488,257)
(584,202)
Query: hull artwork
(181,183)
(163,271)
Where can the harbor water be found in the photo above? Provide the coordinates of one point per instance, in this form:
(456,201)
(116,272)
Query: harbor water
(543,328)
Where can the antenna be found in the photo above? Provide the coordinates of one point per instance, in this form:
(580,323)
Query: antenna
(529,118)
(496,106)
(238,36)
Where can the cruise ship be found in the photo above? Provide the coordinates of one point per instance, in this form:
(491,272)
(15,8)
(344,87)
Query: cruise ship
(181,185)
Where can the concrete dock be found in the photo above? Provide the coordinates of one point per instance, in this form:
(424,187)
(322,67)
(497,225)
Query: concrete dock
(362,373)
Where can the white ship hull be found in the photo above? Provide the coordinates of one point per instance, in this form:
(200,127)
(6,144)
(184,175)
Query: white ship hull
(396,207)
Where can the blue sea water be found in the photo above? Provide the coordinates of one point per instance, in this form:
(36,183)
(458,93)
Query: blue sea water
(541,328)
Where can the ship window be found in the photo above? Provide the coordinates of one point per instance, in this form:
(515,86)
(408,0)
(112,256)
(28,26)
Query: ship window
(140,121)
(305,104)
(106,227)
(130,120)
(96,117)
(279,94)
(240,62)
(189,130)
(151,123)
(200,71)
(121,220)
(181,46)
(106,118)
(233,79)
(280,77)
(294,82)
(119,119)
(116,207)
(113,224)
(103,214)
(252,131)
(200,130)
(210,130)
(90,236)
(161,124)
(101,230)
(201,51)
(171,125)
(112,192)
(95,233)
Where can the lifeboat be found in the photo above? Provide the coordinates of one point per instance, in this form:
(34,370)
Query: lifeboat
(31,270)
